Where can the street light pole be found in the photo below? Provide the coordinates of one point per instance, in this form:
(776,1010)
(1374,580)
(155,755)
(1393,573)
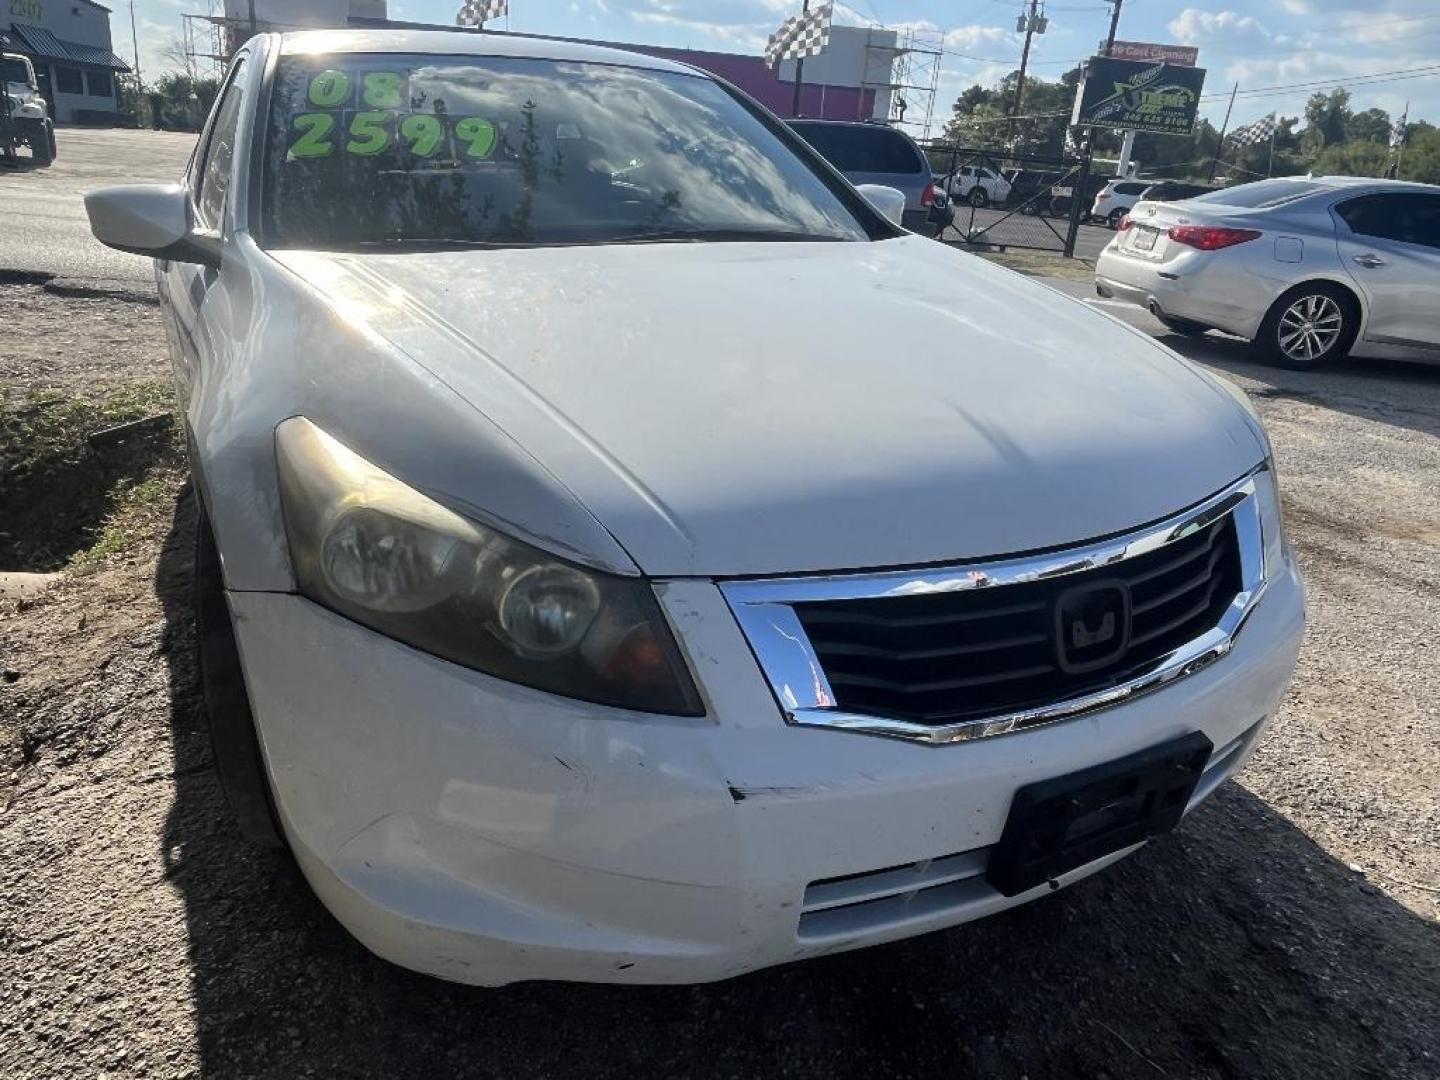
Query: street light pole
(799,67)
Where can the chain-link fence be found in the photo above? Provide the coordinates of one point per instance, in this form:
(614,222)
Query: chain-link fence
(1010,200)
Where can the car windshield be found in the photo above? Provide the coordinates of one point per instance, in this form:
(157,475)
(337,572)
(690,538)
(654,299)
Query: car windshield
(412,150)
(856,148)
(15,71)
(1262,193)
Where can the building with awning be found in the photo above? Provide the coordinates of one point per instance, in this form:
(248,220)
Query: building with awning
(69,43)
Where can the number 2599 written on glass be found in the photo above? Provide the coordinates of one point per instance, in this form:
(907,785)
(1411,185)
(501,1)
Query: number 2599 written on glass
(374,132)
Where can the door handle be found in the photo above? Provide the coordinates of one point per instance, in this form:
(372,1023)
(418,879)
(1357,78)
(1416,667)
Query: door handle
(1368,260)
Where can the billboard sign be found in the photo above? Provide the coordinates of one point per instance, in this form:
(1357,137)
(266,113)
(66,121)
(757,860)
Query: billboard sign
(1134,96)
(1177,55)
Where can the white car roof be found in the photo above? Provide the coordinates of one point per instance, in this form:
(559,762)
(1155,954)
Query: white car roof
(467,43)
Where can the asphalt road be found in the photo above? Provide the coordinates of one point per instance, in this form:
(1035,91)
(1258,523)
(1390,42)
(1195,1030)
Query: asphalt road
(43,228)
(1013,230)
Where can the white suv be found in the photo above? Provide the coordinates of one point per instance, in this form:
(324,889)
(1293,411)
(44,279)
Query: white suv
(1116,198)
(978,185)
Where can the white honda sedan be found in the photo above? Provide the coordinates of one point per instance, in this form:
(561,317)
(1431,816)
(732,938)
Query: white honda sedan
(627,556)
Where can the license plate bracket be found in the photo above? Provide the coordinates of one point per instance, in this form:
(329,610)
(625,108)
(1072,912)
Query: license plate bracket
(1144,239)
(1059,824)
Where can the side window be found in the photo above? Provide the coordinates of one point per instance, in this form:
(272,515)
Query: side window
(219,155)
(1408,218)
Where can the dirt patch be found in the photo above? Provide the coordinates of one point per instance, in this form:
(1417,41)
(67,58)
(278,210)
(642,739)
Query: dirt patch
(74,370)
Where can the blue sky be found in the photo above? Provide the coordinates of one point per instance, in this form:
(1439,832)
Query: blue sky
(1259,43)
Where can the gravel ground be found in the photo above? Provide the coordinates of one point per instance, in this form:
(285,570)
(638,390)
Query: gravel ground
(1288,929)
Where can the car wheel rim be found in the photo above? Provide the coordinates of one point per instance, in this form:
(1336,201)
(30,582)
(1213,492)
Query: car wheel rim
(1310,327)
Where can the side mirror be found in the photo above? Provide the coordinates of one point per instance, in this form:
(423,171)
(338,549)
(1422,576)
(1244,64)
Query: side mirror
(888,200)
(150,219)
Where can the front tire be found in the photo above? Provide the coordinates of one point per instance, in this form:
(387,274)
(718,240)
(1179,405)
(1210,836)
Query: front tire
(41,137)
(238,758)
(1116,216)
(977,197)
(1309,326)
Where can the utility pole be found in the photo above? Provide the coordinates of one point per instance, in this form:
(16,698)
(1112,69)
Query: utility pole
(1224,127)
(1114,25)
(135,44)
(799,66)
(1081,182)
(1030,25)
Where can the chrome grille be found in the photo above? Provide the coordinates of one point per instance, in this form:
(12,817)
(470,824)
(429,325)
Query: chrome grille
(955,656)
(954,653)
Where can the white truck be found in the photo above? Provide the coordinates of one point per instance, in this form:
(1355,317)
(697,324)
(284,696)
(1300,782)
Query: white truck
(24,116)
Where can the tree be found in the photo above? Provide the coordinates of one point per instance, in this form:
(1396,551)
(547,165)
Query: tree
(182,103)
(1325,118)
(1353,159)
(1421,159)
(982,115)
(1372,125)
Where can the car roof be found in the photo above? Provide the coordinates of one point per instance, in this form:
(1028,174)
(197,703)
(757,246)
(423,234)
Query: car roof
(469,43)
(1372,182)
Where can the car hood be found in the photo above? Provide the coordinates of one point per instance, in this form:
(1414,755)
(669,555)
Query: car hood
(750,409)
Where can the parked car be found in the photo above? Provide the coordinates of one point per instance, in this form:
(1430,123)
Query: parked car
(1030,189)
(1174,191)
(1309,269)
(626,556)
(979,185)
(1115,199)
(877,154)
(24,115)
(1072,187)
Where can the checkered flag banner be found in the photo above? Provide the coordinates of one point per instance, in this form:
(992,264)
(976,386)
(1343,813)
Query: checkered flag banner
(479,12)
(1258,132)
(800,36)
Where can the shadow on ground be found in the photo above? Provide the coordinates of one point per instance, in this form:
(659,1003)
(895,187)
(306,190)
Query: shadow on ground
(1234,948)
(1388,391)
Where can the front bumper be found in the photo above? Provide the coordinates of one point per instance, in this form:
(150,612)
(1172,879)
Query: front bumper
(487,833)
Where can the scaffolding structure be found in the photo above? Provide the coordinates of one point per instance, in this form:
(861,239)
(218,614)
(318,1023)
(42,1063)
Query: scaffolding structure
(205,42)
(907,75)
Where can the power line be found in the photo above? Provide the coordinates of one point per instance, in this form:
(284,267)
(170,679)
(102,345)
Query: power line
(1362,79)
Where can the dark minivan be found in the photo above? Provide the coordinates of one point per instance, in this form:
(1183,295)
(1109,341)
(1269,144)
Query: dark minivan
(876,154)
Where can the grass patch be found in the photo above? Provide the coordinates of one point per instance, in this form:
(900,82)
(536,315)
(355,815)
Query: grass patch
(64,502)
(1042,264)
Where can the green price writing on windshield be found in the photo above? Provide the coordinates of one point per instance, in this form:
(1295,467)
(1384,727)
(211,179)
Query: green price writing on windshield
(329,88)
(375,131)
(369,133)
(423,133)
(381,90)
(314,140)
(477,134)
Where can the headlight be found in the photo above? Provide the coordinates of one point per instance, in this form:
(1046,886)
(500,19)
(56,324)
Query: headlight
(1272,526)
(381,553)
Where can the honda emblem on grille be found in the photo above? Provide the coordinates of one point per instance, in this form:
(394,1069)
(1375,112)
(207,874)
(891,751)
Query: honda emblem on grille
(1092,626)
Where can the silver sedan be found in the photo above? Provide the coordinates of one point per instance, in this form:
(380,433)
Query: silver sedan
(1308,268)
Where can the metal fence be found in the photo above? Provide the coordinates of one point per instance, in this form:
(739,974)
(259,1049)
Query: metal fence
(1005,200)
